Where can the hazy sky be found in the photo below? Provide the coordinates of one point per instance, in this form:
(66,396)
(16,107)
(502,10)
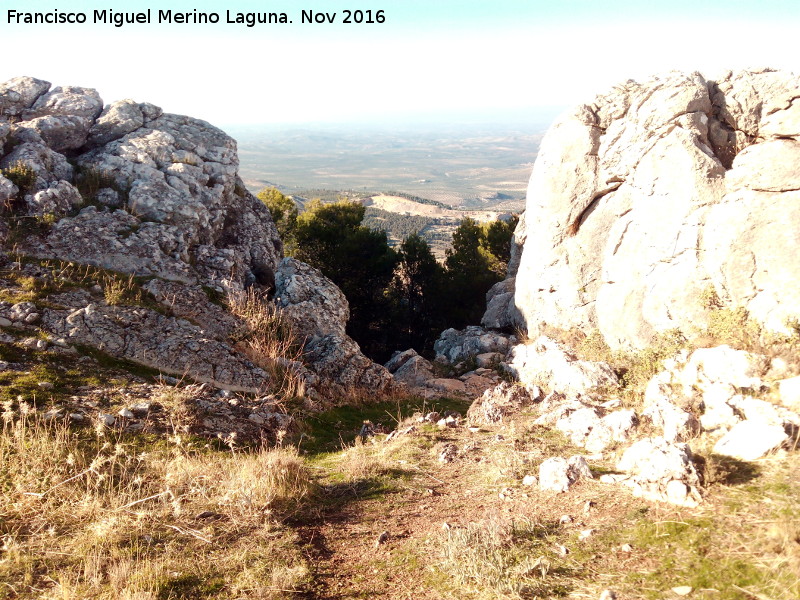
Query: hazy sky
(454,58)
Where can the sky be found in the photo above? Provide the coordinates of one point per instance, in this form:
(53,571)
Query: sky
(429,60)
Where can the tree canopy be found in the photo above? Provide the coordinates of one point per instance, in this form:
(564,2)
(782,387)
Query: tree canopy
(398,298)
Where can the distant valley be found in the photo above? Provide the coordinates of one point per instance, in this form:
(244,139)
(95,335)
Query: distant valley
(480,171)
(465,166)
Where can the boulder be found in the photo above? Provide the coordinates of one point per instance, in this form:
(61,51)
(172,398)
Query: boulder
(558,474)
(750,440)
(659,469)
(410,368)
(20,93)
(318,312)
(455,346)
(310,300)
(789,392)
(544,362)
(651,193)
(501,401)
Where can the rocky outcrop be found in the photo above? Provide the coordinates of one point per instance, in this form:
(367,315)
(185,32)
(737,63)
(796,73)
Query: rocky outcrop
(544,362)
(318,312)
(130,189)
(654,193)
(721,392)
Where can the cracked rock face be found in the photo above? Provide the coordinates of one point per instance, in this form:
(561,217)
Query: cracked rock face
(656,191)
(129,188)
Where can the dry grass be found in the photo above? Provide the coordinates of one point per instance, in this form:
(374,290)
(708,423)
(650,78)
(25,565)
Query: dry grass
(501,558)
(268,339)
(86,516)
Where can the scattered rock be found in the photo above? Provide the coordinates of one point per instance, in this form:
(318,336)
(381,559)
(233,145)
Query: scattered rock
(683,590)
(501,401)
(789,391)
(545,362)
(448,453)
(454,346)
(653,464)
(106,419)
(558,474)
(750,440)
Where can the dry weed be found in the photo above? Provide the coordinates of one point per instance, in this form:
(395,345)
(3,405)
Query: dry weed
(268,339)
(84,515)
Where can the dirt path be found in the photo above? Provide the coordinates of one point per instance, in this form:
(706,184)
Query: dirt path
(387,543)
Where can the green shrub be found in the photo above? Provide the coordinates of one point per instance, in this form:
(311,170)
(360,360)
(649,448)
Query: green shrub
(22,176)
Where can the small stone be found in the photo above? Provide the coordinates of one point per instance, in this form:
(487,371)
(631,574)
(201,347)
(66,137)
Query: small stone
(4,322)
(45,385)
(141,408)
(256,418)
(3,365)
(529,480)
(683,590)
(608,595)
(565,519)
(126,413)
(52,415)
(382,538)
(585,534)
(106,419)
(32,318)
(448,453)
(77,417)
(626,548)
(562,550)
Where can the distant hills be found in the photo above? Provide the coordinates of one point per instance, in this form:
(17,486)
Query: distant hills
(462,166)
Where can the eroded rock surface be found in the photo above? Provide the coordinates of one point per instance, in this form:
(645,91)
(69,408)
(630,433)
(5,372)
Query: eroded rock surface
(131,189)
(655,192)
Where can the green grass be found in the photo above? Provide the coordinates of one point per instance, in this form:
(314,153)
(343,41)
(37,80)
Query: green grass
(334,429)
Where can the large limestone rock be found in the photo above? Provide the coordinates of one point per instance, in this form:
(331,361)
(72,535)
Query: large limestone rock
(544,362)
(654,191)
(318,311)
(131,189)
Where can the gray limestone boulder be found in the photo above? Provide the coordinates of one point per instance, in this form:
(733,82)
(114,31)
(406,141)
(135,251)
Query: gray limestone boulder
(67,101)
(750,440)
(559,474)
(49,166)
(409,368)
(658,469)
(454,346)
(310,300)
(318,311)
(501,401)
(656,191)
(20,93)
(544,362)
(56,200)
(60,132)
